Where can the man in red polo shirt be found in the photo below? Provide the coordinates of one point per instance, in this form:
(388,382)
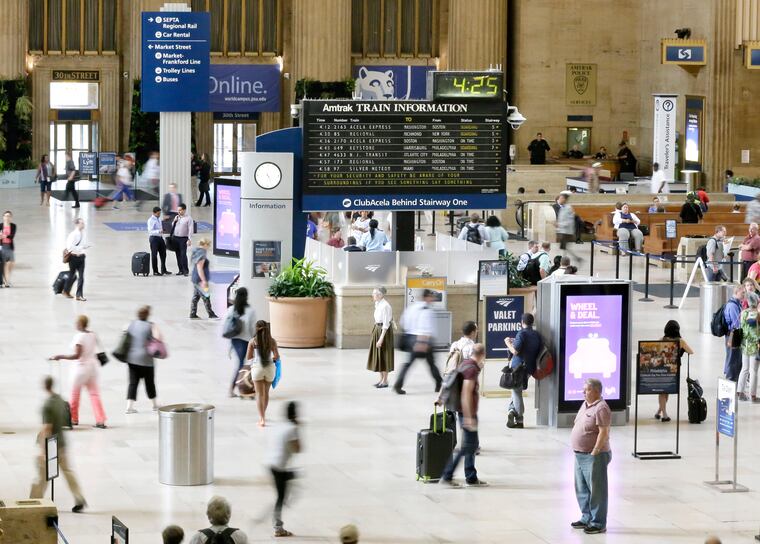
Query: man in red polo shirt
(750,249)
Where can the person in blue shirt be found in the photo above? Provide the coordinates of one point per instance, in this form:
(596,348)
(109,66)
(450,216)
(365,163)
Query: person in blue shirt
(311,227)
(374,239)
(525,349)
(157,244)
(732,314)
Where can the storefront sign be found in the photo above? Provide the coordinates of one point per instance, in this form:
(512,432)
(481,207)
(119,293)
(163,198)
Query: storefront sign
(395,155)
(88,163)
(580,84)
(658,368)
(267,258)
(503,316)
(592,334)
(244,87)
(726,407)
(684,52)
(76,75)
(175,61)
(664,140)
(415,286)
(391,82)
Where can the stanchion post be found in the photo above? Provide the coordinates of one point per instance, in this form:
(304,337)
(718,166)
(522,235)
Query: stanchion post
(432,233)
(731,264)
(419,220)
(672,279)
(646,281)
(591,265)
(451,222)
(617,260)
(630,266)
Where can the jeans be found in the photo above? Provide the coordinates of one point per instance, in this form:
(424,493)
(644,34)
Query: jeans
(413,355)
(157,249)
(241,348)
(76,271)
(198,294)
(182,254)
(517,405)
(749,367)
(281,479)
(733,364)
(467,450)
(121,191)
(86,376)
(591,487)
(147,373)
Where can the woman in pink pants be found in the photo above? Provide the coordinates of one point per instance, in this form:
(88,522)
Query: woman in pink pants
(85,372)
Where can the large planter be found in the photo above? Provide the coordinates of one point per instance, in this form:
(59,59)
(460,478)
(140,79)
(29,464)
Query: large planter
(529,293)
(743,192)
(298,322)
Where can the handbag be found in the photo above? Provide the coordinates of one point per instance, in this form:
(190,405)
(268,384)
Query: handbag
(171,242)
(277,372)
(122,350)
(66,256)
(156,349)
(512,378)
(101,355)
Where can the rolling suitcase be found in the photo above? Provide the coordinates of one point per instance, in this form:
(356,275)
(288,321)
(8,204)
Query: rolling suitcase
(434,449)
(100,201)
(60,282)
(445,419)
(697,405)
(141,263)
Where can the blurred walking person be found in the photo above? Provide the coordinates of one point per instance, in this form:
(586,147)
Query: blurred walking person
(419,330)
(7,248)
(139,360)
(71,181)
(124,190)
(381,348)
(566,226)
(85,372)
(45,177)
(285,442)
(204,180)
(262,353)
(243,312)
(200,278)
(53,421)
(152,172)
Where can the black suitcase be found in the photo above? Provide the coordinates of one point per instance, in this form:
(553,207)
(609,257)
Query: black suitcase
(697,405)
(141,263)
(437,422)
(434,449)
(60,282)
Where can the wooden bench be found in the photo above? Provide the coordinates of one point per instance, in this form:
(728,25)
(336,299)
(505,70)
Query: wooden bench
(656,243)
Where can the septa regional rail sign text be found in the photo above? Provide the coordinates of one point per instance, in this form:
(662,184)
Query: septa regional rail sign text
(175,61)
(403,155)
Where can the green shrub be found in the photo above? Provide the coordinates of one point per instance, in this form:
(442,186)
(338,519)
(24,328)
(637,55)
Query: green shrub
(302,279)
(515,277)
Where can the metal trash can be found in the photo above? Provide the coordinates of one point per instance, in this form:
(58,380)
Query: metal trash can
(186,444)
(712,295)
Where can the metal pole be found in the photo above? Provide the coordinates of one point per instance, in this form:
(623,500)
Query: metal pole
(451,222)
(646,282)
(591,265)
(52,488)
(617,260)
(736,436)
(419,220)
(630,266)
(731,271)
(432,233)
(672,279)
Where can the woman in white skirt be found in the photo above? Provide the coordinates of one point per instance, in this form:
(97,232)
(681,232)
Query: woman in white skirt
(381,354)
(262,352)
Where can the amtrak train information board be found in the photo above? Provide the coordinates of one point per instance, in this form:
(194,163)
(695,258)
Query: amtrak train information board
(403,155)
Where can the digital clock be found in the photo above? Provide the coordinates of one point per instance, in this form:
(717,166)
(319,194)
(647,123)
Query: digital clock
(465,85)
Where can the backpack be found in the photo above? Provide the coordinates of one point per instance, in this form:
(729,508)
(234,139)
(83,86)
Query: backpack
(233,325)
(544,364)
(718,325)
(702,251)
(473,234)
(532,270)
(451,391)
(452,363)
(224,537)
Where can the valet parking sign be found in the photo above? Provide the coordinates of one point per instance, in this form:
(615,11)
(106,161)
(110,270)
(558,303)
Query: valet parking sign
(175,61)
(503,316)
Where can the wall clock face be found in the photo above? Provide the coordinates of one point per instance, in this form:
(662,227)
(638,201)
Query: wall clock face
(267,175)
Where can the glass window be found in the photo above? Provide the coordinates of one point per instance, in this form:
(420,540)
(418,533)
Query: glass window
(269,28)
(251,26)
(223,133)
(393,28)
(357,26)
(425,25)
(72,25)
(73,95)
(408,26)
(109,26)
(36,18)
(54,20)
(234,17)
(373,27)
(390,25)
(217,26)
(91,25)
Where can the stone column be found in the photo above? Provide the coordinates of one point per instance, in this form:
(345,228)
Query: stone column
(176,132)
(477,34)
(719,103)
(322,40)
(14,27)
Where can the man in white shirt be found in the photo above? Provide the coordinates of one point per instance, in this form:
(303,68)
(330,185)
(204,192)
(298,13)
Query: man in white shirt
(418,321)
(183,228)
(76,244)
(157,244)
(563,264)
(658,184)
(474,231)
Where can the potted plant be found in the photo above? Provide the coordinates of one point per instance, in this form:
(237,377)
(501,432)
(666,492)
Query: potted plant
(519,285)
(298,299)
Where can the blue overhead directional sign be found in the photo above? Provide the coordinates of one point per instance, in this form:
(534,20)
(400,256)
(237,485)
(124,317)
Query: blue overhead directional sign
(175,61)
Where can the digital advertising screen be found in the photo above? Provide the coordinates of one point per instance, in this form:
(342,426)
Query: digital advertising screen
(227,217)
(593,343)
(693,144)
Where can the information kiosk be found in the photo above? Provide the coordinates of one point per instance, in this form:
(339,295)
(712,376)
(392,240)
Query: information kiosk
(587,324)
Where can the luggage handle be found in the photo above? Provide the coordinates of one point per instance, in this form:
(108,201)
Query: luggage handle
(435,418)
(688,364)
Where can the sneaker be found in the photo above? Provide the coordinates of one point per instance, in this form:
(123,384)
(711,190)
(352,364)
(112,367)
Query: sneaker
(511,420)
(519,425)
(166,273)
(578,525)
(594,530)
(449,483)
(399,391)
(282,532)
(158,273)
(100,426)
(477,483)
(79,507)
(194,316)
(212,315)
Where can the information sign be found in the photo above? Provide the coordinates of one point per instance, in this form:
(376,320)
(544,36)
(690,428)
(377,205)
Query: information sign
(88,163)
(658,368)
(492,278)
(107,162)
(415,286)
(671,228)
(175,61)
(726,407)
(503,316)
(267,258)
(403,155)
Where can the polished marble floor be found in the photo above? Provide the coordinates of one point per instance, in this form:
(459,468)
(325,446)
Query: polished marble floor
(358,459)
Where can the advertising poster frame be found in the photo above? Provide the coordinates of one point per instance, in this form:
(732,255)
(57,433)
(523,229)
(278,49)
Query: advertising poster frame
(222,184)
(658,371)
(726,424)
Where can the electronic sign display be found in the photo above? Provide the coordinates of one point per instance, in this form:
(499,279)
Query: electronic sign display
(227,217)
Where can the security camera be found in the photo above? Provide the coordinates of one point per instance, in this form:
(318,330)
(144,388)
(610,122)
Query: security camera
(515,118)
(295,111)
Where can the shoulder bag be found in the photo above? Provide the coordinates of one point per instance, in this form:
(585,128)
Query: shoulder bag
(155,346)
(512,378)
(101,355)
(171,242)
(122,350)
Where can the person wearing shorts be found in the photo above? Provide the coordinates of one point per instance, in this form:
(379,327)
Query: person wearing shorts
(7,255)
(45,177)
(262,353)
